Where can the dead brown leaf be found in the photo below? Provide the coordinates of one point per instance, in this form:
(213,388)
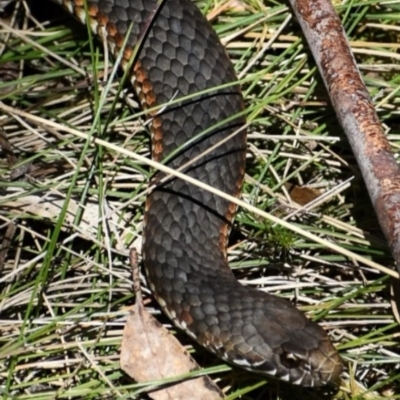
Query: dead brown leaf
(302,194)
(150,353)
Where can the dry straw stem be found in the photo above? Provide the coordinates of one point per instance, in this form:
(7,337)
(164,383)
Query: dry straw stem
(172,172)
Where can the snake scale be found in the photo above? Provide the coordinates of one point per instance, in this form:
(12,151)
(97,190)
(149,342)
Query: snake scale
(186,229)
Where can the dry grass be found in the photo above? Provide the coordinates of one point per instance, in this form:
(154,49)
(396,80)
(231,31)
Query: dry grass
(65,288)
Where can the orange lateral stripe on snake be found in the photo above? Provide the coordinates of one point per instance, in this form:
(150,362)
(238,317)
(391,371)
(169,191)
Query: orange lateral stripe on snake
(186,228)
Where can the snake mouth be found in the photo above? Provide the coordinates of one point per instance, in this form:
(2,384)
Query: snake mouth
(300,372)
(314,368)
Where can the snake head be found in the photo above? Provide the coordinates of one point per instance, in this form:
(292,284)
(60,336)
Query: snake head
(303,356)
(279,341)
(299,364)
(309,366)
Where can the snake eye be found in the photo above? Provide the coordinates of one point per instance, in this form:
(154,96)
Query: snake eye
(289,360)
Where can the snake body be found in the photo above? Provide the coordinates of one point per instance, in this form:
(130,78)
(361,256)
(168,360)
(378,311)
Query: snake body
(177,54)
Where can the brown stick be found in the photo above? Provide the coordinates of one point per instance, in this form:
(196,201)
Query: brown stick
(355,111)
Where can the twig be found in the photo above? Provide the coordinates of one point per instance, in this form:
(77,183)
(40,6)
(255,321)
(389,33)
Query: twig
(355,111)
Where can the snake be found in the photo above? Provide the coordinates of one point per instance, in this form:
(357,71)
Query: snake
(187,85)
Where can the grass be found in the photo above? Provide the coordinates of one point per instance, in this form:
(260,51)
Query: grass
(65,288)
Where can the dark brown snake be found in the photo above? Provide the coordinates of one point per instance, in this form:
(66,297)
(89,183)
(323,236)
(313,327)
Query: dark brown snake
(187,228)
